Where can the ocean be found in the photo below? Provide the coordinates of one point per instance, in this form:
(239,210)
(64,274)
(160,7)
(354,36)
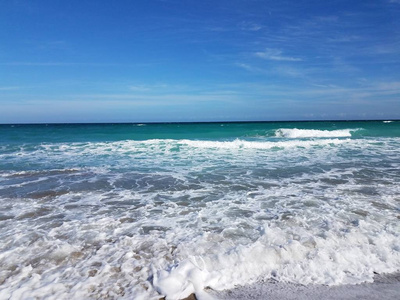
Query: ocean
(143,211)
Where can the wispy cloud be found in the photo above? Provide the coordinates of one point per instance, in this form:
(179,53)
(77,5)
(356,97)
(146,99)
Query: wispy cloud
(159,88)
(389,86)
(280,70)
(9,88)
(52,45)
(58,64)
(139,88)
(143,98)
(275,54)
(344,38)
(251,68)
(368,91)
(290,71)
(218,28)
(250,26)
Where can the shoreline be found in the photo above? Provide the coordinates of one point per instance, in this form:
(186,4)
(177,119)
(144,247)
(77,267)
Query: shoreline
(384,286)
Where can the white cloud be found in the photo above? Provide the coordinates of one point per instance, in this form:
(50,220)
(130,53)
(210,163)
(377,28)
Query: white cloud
(275,54)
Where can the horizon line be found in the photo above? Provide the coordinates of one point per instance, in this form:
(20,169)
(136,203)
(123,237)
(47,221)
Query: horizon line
(199,122)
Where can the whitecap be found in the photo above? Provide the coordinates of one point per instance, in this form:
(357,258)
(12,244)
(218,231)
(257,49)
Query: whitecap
(312,133)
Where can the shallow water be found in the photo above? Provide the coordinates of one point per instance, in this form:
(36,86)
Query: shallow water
(128,211)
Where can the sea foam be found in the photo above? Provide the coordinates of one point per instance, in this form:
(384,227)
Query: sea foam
(338,259)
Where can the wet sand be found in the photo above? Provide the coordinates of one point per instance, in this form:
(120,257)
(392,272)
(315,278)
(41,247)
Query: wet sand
(383,287)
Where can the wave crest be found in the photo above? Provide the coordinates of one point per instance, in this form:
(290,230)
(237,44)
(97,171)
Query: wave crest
(242,144)
(312,133)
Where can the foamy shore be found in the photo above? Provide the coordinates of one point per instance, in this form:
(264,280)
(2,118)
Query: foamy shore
(383,287)
(143,217)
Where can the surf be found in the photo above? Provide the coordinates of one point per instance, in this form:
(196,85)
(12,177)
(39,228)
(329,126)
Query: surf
(295,133)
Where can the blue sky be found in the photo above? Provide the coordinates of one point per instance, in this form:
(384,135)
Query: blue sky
(170,60)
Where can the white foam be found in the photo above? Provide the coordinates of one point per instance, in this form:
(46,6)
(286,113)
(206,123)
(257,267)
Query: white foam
(347,258)
(242,144)
(312,133)
(105,256)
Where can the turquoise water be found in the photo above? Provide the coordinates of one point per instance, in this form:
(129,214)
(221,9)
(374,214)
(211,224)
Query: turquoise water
(203,131)
(147,210)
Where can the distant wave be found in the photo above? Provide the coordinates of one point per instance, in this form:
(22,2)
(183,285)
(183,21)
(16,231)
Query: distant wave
(242,144)
(312,133)
(387,121)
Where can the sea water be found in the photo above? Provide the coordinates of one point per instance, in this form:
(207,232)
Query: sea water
(143,211)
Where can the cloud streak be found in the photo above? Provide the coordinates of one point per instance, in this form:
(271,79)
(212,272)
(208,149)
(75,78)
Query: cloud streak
(276,55)
(250,26)
(9,88)
(58,64)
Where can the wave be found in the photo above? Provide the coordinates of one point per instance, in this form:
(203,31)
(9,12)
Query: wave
(72,151)
(243,144)
(313,133)
(40,172)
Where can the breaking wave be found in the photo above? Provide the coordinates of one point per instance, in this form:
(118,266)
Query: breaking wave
(312,133)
